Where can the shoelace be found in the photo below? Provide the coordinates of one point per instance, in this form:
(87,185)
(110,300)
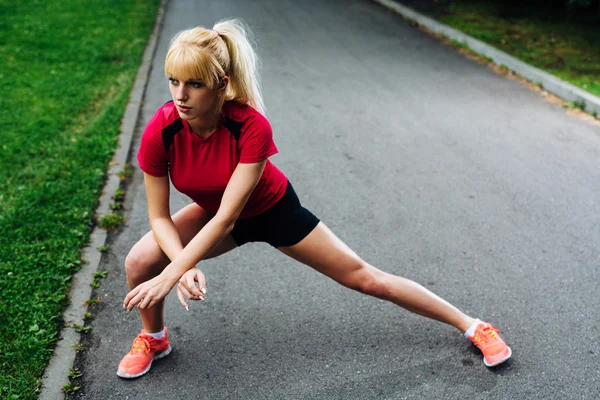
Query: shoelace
(482,334)
(140,345)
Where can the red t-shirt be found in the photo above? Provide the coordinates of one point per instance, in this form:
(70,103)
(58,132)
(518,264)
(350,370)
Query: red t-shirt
(201,168)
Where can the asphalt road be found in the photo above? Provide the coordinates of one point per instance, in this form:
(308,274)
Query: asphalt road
(427,164)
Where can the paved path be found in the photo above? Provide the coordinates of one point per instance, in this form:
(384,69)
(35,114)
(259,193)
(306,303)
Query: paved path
(430,166)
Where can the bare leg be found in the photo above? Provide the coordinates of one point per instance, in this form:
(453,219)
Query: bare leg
(147,260)
(326,253)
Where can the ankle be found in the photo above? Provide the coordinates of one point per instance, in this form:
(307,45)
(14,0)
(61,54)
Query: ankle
(470,331)
(156,334)
(466,323)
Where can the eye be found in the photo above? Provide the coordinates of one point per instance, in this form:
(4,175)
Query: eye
(196,85)
(173,81)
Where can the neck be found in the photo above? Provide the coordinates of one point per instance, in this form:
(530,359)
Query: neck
(205,125)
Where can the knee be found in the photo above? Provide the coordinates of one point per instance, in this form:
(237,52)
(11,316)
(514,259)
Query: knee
(137,267)
(370,281)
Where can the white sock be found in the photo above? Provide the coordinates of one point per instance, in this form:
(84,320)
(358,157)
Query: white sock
(471,330)
(157,335)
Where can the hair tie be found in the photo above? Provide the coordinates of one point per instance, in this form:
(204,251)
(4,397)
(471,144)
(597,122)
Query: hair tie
(217,32)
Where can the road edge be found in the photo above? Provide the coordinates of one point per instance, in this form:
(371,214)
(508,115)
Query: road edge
(56,375)
(549,82)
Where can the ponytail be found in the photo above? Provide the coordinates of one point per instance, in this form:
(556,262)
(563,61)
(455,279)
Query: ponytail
(244,63)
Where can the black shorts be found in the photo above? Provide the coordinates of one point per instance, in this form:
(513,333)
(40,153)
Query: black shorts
(284,224)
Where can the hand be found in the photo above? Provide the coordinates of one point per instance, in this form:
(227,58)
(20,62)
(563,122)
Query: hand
(187,287)
(149,293)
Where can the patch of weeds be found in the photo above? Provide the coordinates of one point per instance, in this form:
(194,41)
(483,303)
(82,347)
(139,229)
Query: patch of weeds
(75,373)
(100,274)
(70,389)
(594,114)
(578,105)
(116,206)
(88,315)
(92,302)
(125,174)
(459,44)
(104,249)
(97,276)
(78,346)
(539,85)
(119,195)
(82,328)
(112,221)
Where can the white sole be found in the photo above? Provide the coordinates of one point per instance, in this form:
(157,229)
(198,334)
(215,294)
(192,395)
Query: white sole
(499,361)
(156,357)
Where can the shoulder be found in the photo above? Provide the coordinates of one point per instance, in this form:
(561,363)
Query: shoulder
(163,117)
(152,155)
(164,124)
(252,131)
(241,118)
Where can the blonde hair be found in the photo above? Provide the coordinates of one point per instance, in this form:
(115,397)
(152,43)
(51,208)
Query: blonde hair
(210,54)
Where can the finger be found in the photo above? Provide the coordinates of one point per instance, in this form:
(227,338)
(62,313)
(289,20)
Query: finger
(184,289)
(132,299)
(152,303)
(192,296)
(145,302)
(135,300)
(181,299)
(185,292)
(201,281)
(130,296)
(191,285)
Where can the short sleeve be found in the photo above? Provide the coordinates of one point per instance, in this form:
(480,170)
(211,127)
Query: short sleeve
(256,141)
(152,156)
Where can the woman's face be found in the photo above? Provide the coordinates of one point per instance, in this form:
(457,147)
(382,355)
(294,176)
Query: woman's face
(193,99)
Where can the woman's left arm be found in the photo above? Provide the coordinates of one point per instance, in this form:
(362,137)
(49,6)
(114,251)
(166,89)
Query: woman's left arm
(238,190)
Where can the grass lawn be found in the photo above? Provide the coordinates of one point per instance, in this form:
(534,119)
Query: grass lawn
(567,46)
(66,69)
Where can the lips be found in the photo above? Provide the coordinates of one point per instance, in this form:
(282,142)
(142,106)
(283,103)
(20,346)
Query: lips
(184,109)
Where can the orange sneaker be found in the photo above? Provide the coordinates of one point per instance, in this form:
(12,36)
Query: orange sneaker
(494,350)
(144,350)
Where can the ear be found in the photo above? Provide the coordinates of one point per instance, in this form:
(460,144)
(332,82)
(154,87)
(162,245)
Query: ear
(224,83)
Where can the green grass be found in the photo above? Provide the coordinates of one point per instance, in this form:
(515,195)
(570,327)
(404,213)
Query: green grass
(567,46)
(66,69)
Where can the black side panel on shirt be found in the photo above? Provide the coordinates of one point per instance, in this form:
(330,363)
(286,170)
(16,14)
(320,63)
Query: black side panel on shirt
(234,127)
(169,132)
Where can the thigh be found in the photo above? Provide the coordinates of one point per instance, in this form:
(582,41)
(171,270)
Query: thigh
(188,222)
(323,251)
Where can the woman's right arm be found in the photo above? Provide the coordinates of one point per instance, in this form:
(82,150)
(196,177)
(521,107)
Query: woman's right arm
(159,214)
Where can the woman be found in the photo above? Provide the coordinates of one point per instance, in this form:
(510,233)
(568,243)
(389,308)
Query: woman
(213,142)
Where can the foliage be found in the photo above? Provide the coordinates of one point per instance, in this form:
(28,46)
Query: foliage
(66,69)
(546,37)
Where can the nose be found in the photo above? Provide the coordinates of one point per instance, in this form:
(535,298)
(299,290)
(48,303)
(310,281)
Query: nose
(181,94)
